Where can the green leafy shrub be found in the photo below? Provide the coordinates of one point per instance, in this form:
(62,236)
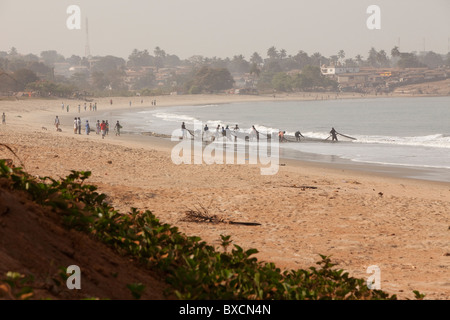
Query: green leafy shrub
(17,285)
(136,289)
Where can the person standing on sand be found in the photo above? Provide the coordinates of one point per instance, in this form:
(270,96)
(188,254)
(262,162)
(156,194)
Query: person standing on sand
(79,125)
(79,107)
(103,129)
(117,128)
(62,106)
(107,127)
(67,108)
(97,127)
(3,118)
(75,125)
(57,123)
(87,127)
(183,130)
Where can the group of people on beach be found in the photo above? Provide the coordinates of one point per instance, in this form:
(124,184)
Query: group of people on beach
(142,101)
(281,137)
(77,125)
(101,128)
(92,107)
(226,132)
(220,131)
(298,134)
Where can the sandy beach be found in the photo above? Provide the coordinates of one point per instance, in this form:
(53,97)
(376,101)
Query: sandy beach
(358,218)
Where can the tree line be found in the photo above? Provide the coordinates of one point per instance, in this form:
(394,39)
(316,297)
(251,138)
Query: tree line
(102,75)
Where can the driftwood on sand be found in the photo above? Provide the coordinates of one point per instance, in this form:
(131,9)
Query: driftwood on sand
(202,215)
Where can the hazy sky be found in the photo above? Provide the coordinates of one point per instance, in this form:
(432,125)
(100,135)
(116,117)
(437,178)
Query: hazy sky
(224,28)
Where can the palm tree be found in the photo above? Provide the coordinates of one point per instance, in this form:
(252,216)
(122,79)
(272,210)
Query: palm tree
(159,58)
(302,59)
(359,59)
(159,53)
(256,58)
(272,52)
(13,52)
(395,52)
(239,64)
(373,58)
(283,54)
(382,59)
(317,59)
(341,55)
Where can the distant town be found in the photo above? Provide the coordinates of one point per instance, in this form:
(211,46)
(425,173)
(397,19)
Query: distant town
(51,74)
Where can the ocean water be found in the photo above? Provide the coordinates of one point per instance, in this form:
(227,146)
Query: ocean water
(395,132)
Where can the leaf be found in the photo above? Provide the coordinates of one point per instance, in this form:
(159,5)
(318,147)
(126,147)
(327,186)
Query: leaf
(26,296)
(257,278)
(250,252)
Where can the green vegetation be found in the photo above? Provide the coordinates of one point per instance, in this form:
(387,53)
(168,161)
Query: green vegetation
(162,73)
(194,269)
(409,60)
(17,286)
(46,88)
(136,289)
(310,79)
(210,80)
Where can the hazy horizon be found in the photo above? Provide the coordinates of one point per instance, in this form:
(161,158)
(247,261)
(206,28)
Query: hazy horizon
(224,29)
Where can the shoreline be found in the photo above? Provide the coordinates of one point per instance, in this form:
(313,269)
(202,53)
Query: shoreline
(358,218)
(426,173)
(344,165)
(46,114)
(201,99)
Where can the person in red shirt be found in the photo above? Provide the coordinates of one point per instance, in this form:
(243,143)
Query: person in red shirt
(103,128)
